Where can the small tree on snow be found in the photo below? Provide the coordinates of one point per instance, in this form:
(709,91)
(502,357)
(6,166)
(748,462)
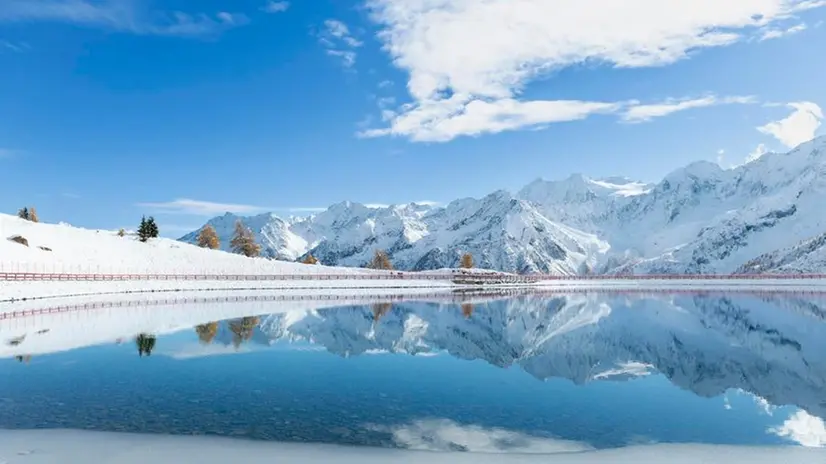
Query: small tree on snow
(243,241)
(310,259)
(33,215)
(147,229)
(208,238)
(23,213)
(467,261)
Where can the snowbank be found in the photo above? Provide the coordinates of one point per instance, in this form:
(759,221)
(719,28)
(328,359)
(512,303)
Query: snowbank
(76,250)
(77,447)
(43,290)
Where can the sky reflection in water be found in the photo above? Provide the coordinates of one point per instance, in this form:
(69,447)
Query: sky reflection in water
(526,374)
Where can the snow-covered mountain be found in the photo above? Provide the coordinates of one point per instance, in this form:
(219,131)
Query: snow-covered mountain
(500,230)
(698,219)
(808,256)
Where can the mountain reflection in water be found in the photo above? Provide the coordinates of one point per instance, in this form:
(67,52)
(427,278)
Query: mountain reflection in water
(521,374)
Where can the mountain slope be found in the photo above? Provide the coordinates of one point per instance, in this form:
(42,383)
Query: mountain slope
(501,231)
(698,219)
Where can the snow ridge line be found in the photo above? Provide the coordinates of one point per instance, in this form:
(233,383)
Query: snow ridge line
(458,277)
(443,297)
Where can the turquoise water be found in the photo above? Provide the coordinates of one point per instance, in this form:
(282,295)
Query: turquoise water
(598,370)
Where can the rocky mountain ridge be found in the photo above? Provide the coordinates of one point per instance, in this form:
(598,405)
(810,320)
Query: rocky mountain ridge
(698,219)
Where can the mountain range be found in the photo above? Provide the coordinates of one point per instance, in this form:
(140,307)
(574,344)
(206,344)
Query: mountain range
(762,216)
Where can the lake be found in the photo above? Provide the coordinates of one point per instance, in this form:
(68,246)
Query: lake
(524,373)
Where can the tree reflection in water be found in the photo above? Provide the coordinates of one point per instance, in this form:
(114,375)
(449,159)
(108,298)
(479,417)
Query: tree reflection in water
(242,329)
(145,343)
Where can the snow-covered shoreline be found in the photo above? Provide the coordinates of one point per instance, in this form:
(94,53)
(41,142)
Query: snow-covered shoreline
(76,447)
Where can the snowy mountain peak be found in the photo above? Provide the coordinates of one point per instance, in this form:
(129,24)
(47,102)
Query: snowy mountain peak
(699,218)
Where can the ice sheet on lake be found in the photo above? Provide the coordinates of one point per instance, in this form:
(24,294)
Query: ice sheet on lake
(79,447)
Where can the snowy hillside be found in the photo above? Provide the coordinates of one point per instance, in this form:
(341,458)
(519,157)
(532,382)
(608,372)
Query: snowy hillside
(63,248)
(698,219)
(808,256)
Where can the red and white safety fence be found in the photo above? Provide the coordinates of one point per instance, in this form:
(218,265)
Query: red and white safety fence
(469,277)
(443,297)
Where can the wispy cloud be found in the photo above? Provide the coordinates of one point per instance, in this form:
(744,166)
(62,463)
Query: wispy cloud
(70,195)
(769,34)
(187,206)
(16,47)
(276,7)
(339,42)
(799,127)
(504,45)
(644,113)
(420,203)
(123,16)
(301,209)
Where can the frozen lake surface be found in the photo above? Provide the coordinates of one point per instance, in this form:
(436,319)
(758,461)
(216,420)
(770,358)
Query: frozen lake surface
(524,375)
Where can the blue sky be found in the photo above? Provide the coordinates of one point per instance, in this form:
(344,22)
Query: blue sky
(114,108)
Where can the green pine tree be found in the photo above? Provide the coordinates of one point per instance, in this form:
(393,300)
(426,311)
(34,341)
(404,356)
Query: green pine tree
(148,229)
(143,230)
(153,227)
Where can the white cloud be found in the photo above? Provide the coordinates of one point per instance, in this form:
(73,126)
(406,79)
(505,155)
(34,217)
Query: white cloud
(446,435)
(804,429)
(186,206)
(385,84)
(276,7)
(420,203)
(340,30)
(201,208)
(446,119)
(769,34)
(798,127)
(118,15)
(643,113)
(339,42)
(470,59)
(348,57)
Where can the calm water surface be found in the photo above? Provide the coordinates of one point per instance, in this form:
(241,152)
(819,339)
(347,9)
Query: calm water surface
(520,374)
